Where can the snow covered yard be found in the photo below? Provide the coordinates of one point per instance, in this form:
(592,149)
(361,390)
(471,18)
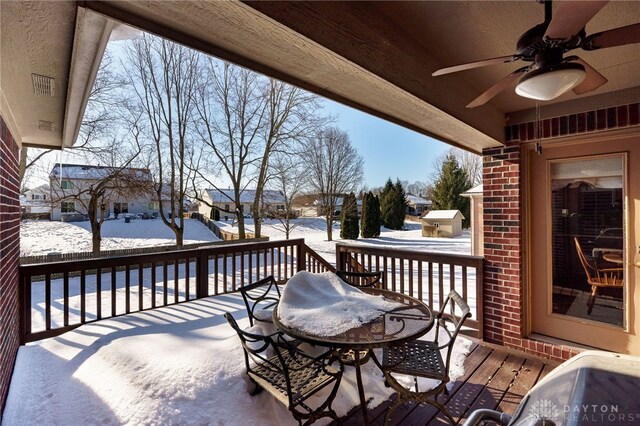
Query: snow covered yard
(314,232)
(181,364)
(44,237)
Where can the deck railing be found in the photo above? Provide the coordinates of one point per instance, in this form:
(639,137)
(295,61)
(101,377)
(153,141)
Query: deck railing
(59,296)
(426,276)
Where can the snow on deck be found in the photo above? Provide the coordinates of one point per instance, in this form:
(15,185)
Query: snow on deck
(181,364)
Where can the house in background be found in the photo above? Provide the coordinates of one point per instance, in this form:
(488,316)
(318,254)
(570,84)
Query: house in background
(442,223)
(36,201)
(320,208)
(272,200)
(416,205)
(477,220)
(130,191)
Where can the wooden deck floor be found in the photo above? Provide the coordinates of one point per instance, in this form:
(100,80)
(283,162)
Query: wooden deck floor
(494,378)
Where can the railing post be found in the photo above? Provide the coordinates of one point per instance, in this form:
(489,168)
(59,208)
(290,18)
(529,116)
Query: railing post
(339,259)
(24,293)
(202,275)
(302,261)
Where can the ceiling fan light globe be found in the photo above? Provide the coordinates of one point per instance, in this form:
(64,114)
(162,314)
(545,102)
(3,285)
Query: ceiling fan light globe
(548,83)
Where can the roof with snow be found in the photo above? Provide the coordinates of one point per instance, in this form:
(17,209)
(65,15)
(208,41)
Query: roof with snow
(89,172)
(473,191)
(442,214)
(414,199)
(247,196)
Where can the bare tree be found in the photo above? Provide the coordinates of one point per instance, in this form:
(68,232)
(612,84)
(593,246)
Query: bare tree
(288,178)
(231,115)
(100,186)
(163,76)
(291,116)
(468,161)
(334,169)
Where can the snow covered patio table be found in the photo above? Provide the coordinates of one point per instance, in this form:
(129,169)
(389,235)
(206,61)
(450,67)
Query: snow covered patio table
(323,310)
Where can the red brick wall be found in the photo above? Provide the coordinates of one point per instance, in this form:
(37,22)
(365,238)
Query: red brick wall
(503,243)
(9,252)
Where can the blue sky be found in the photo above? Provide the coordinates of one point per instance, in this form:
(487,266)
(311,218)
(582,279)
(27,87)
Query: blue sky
(388,150)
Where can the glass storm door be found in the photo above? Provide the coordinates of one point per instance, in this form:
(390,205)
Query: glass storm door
(582,223)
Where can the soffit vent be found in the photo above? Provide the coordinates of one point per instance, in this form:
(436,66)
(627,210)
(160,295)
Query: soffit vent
(43,85)
(45,125)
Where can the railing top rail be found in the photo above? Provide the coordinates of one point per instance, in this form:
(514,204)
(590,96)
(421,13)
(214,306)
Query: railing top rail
(459,259)
(134,259)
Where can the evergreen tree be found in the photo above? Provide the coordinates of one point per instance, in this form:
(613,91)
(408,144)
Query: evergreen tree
(349,218)
(370,225)
(377,218)
(386,202)
(399,206)
(452,181)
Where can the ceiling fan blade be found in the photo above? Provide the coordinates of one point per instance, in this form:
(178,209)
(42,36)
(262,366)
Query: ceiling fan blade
(476,64)
(591,81)
(497,88)
(615,37)
(570,17)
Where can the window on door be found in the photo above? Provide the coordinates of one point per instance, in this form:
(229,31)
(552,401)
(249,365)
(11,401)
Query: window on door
(587,202)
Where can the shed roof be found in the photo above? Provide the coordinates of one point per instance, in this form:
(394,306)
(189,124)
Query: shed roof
(443,214)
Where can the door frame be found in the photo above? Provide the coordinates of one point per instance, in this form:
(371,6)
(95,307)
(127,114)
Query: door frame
(527,150)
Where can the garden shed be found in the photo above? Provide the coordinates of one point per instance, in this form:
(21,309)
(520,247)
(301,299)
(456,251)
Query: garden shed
(442,223)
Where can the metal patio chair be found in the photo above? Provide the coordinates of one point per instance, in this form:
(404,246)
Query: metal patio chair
(361,279)
(260,298)
(420,358)
(291,376)
(598,277)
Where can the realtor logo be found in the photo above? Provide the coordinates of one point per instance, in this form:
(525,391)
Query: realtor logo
(544,410)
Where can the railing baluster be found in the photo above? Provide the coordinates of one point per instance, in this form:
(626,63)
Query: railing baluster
(153,284)
(431,285)
(127,288)
(452,277)
(224,273)
(83,296)
(401,262)
(266,273)
(113,291)
(165,279)
(411,277)
(420,294)
(176,281)
(440,285)
(464,282)
(65,296)
(187,267)
(47,302)
(393,273)
(99,293)
(234,260)
(250,276)
(215,274)
(140,286)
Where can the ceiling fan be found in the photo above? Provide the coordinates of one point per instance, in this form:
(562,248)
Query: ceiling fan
(550,73)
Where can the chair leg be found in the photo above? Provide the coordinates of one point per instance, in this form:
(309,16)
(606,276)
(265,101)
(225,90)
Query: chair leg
(592,299)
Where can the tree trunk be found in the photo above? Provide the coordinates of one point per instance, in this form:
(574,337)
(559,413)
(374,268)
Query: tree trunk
(92,211)
(329,227)
(257,224)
